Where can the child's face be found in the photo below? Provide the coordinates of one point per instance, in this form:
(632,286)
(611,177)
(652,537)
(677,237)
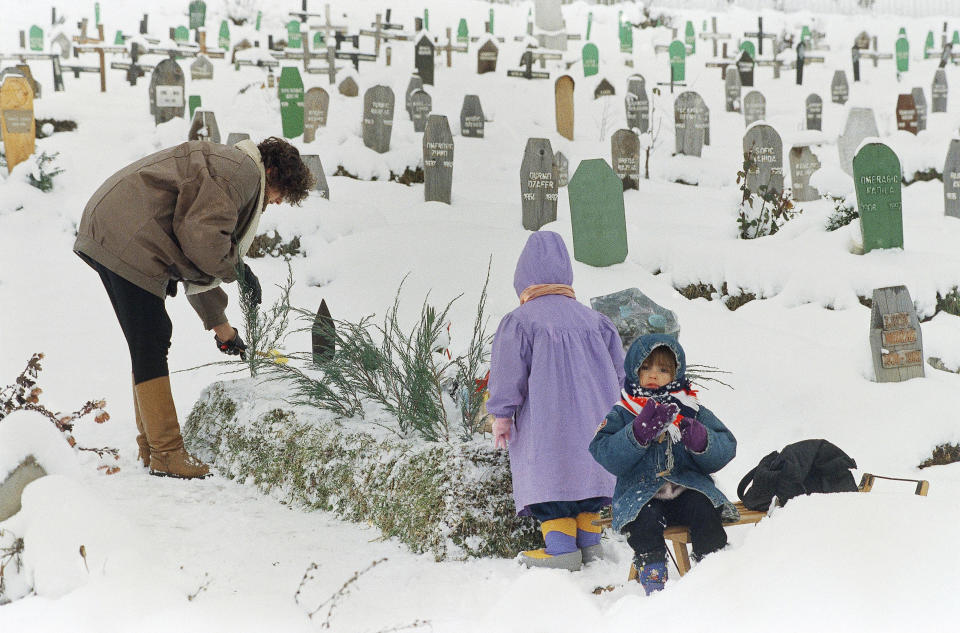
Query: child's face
(653,374)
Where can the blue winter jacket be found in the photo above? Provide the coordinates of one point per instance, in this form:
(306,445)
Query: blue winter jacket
(636,467)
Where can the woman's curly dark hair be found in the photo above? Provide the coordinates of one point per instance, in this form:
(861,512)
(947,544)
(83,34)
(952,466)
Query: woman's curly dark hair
(290,176)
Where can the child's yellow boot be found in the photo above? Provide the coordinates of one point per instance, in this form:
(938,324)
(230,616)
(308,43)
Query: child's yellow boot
(561,551)
(588,536)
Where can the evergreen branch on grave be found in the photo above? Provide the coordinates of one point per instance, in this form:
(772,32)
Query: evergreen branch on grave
(43,180)
(24,395)
(264,330)
(328,390)
(843,213)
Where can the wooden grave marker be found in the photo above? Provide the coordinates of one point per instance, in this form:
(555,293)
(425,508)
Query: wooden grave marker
(204,127)
(421,104)
(906,114)
(487,57)
(746,67)
(951,180)
(471,117)
(538,184)
(197,12)
(36,38)
(597,214)
(17,123)
(678,63)
(860,124)
(201,68)
(562,167)
(902,48)
(938,91)
(921,103)
(637,105)
(803,164)
(290,91)
(876,177)
(316,104)
(625,158)
(764,149)
(591,59)
(437,160)
(731,90)
(604,89)
(312,161)
(235,137)
(839,88)
(896,340)
(423,59)
(378,103)
(415,83)
(814,112)
(348,87)
(563,97)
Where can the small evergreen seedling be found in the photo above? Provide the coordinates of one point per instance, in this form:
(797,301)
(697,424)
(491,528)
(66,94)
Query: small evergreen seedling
(42,175)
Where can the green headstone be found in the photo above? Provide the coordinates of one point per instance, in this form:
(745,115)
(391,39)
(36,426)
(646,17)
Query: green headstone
(198,14)
(750,47)
(96,14)
(463,34)
(805,34)
(691,38)
(589,23)
(678,60)
(955,40)
(181,34)
(876,176)
(193,102)
(224,35)
(928,45)
(903,55)
(259,19)
(290,89)
(294,38)
(318,41)
(491,21)
(36,38)
(118,39)
(597,214)
(626,38)
(902,32)
(426,19)
(591,59)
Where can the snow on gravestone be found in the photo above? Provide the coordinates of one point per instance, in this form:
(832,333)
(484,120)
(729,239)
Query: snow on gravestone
(316,104)
(17,123)
(348,87)
(290,90)
(423,59)
(235,137)
(896,341)
(563,105)
(591,59)
(421,104)
(201,68)
(906,114)
(754,107)
(437,160)
(637,104)
(763,147)
(860,125)
(689,131)
(876,178)
(471,117)
(625,158)
(604,89)
(597,215)
(538,184)
(415,83)
(951,180)
(378,118)
(745,67)
(732,91)
(167,92)
(562,167)
(938,91)
(803,163)
(487,58)
(921,104)
(839,89)
(814,109)
(312,161)
(11,489)
(204,127)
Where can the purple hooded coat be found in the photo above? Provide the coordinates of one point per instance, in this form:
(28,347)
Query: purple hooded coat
(556,368)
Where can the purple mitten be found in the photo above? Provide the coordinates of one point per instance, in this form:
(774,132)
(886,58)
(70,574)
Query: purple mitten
(651,421)
(693,434)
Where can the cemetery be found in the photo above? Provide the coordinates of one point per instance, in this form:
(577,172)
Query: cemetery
(777,188)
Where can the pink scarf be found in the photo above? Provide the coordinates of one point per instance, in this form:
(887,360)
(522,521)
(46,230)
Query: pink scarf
(538,290)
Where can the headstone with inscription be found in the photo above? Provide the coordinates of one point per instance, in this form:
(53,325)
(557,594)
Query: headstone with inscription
(562,166)
(754,107)
(814,110)
(421,104)
(471,117)
(204,127)
(378,118)
(167,90)
(746,66)
(312,161)
(591,59)
(921,102)
(294,36)
(896,341)
(423,59)
(17,123)
(876,178)
(487,57)
(951,180)
(803,163)
(316,104)
(415,83)
(538,184)
(290,91)
(563,98)
(197,11)
(597,214)
(437,160)
(689,129)
(938,91)
(36,38)
(703,117)
(860,124)
(223,41)
(637,106)
(604,89)
(902,54)
(678,61)
(839,89)
(763,149)
(906,114)
(732,91)
(625,158)
(201,68)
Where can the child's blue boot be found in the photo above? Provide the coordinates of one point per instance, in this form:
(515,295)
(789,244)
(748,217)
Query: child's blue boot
(561,552)
(651,573)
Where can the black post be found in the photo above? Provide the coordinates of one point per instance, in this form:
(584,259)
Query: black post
(143,25)
(801,53)
(855,53)
(760,35)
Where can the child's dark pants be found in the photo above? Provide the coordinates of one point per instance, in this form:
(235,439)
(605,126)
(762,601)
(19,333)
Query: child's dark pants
(691,508)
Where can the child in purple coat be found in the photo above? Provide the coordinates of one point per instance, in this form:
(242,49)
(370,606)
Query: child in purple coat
(556,365)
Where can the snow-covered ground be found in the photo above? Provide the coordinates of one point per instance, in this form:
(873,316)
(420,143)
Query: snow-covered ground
(217,555)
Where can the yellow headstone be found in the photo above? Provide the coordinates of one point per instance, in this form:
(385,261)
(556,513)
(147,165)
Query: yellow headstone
(16,120)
